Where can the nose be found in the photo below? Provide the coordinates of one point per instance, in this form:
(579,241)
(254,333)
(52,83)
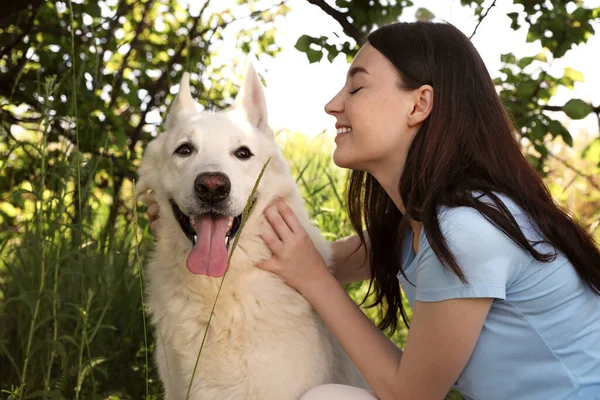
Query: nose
(212,187)
(335,105)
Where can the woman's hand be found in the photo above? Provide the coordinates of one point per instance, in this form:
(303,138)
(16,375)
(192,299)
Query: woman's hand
(295,257)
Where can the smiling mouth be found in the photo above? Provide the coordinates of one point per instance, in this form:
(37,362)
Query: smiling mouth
(343,129)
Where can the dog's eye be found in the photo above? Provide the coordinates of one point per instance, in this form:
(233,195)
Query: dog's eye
(184,150)
(243,153)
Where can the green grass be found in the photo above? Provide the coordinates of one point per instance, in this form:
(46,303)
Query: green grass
(71,304)
(71,310)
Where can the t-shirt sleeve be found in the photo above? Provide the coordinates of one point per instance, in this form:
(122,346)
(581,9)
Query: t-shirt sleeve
(487,257)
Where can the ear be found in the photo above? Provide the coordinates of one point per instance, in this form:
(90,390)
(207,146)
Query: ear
(183,103)
(251,99)
(421,106)
(149,167)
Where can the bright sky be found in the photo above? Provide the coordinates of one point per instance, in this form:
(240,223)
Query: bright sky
(297,91)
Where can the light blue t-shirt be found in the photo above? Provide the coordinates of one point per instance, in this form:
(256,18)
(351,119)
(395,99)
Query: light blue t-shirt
(541,338)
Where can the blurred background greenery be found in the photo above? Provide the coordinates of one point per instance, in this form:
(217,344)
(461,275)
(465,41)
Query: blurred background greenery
(81,84)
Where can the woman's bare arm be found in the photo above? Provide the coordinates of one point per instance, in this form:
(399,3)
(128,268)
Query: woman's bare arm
(350,260)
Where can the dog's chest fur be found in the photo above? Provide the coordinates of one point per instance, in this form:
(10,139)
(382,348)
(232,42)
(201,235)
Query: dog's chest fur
(264,339)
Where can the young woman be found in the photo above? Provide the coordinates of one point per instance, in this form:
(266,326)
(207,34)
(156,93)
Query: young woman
(504,285)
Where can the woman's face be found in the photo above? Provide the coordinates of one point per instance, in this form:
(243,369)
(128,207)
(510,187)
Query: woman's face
(376,119)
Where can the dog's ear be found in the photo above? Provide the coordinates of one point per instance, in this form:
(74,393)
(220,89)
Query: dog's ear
(183,103)
(251,99)
(149,167)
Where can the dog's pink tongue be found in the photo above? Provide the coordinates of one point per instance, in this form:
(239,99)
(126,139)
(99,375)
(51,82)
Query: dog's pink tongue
(209,255)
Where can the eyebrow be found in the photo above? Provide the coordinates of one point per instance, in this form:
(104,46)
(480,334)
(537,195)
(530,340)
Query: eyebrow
(355,70)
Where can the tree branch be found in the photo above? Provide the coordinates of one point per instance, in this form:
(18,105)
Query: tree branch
(342,19)
(481,17)
(561,108)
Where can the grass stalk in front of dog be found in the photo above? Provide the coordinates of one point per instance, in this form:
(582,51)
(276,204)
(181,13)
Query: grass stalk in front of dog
(245,214)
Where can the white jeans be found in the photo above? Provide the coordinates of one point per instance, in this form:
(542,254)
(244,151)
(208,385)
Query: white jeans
(338,392)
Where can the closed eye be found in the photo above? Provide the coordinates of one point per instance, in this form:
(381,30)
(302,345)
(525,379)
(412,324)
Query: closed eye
(355,90)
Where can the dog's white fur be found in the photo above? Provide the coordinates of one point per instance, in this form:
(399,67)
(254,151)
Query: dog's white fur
(264,341)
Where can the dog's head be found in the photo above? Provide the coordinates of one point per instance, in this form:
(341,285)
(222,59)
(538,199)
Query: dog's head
(205,165)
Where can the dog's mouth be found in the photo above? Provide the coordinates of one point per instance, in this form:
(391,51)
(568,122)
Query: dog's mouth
(211,234)
(188,224)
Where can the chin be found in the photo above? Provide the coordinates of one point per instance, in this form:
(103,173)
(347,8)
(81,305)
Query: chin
(343,161)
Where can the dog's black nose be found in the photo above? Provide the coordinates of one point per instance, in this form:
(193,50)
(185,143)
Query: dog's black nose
(212,187)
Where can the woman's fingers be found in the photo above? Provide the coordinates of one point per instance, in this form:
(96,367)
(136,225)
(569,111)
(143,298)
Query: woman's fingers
(289,217)
(153,212)
(271,240)
(268,265)
(279,225)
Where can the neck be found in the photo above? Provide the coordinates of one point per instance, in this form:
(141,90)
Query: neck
(389,182)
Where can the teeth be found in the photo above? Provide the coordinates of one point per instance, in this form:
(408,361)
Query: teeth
(344,129)
(227,241)
(195,239)
(193,222)
(230,224)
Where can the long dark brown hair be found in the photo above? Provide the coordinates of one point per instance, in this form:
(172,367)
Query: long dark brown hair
(467,144)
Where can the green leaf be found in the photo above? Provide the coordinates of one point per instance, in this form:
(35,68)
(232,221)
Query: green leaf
(592,151)
(514,16)
(557,129)
(333,52)
(538,131)
(577,109)
(303,43)
(314,55)
(525,61)
(423,14)
(508,58)
(532,37)
(525,89)
(573,74)
(541,56)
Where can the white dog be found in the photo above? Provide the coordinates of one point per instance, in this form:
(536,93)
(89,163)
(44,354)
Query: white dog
(264,341)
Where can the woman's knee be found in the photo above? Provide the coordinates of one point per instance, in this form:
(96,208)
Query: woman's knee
(338,392)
